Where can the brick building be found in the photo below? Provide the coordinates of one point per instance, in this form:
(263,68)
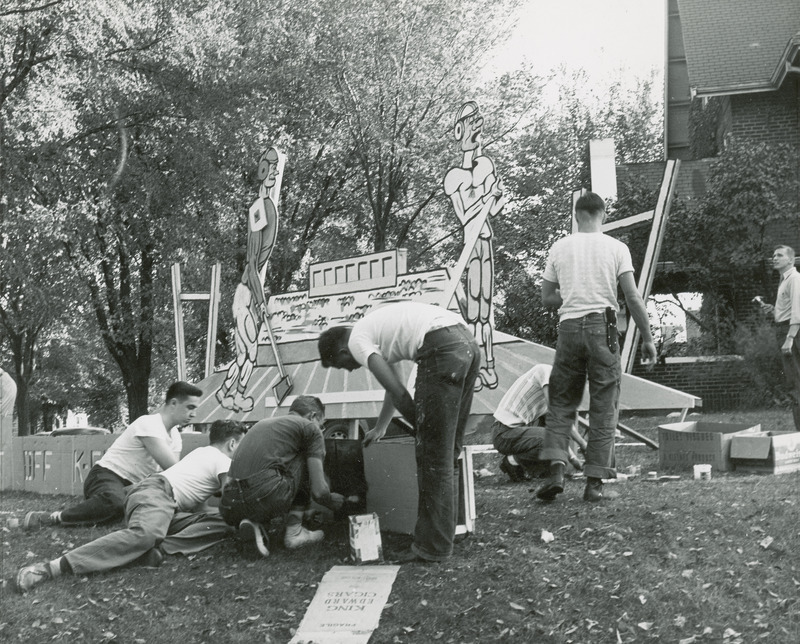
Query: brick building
(732,71)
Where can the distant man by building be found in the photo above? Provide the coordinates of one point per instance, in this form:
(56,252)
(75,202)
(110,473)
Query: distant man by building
(150,508)
(448,359)
(277,471)
(581,279)
(518,430)
(249,299)
(786,313)
(149,444)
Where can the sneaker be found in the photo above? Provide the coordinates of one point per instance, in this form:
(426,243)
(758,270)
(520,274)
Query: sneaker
(35,520)
(153,558)
(302,537)
(516,473)
(33,575)
(254,536)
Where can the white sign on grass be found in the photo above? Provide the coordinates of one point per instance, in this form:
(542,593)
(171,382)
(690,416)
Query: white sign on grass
(347,606)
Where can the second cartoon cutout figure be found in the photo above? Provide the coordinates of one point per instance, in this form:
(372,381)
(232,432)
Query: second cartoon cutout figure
(249,300)
(473,187)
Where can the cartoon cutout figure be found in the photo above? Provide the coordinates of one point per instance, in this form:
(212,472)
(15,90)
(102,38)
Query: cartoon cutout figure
(249,299)
(473,187)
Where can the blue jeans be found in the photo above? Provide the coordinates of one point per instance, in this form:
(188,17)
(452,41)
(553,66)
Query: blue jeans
(447,366)
(265,495)
(523,443)
(582,352)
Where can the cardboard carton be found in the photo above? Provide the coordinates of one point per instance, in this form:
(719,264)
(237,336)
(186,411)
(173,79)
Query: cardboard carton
(682,445)
(390,467)
(365,538)
(767,453)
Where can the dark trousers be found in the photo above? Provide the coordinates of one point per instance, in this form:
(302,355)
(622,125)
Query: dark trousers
(523,443)
(582,352)
(791,369)
(264,496)
(105,494)
(447,366)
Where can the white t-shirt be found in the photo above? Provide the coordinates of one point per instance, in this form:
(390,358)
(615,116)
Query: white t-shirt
(525,400)
(196,476)
(396,331)
(587,267)
(127,456)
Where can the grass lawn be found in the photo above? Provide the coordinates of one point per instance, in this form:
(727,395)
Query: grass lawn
(680,561)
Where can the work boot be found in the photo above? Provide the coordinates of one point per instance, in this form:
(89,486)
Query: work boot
(554,485)
(153,558)
(594,490)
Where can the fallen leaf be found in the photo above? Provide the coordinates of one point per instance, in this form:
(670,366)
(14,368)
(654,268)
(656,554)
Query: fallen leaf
(547,537)
(765,542)
(645,626)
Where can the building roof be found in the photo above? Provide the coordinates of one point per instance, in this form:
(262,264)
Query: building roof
(738,46)
(357,394)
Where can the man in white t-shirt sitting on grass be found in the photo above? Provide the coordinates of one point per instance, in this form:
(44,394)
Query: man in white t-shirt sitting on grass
(150,508)
(150,444)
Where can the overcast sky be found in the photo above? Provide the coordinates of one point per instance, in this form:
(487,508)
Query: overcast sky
(601,36)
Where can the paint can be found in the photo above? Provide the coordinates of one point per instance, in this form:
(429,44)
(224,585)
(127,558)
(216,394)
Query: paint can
(702,472)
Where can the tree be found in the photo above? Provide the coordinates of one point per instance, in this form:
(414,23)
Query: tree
(542,163)
(723,244)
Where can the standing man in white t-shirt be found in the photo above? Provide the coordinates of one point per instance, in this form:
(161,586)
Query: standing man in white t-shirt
(580,279)
(448,360)
(150,444)
(150,508)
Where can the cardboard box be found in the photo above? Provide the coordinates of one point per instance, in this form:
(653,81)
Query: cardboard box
(767,453)
(390,467)
(365,538)
(682,445)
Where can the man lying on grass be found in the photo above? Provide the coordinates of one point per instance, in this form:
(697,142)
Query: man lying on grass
(150,508)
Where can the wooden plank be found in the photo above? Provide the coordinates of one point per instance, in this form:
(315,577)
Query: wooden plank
(213,317)
(660,216)
(177,305)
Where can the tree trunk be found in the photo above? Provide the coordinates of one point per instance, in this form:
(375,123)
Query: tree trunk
(137,388)
(23,407)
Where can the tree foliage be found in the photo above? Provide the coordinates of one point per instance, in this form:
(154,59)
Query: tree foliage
(723,244)
(131,132)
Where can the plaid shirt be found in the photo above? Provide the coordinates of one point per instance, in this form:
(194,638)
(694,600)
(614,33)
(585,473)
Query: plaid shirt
(525,400)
